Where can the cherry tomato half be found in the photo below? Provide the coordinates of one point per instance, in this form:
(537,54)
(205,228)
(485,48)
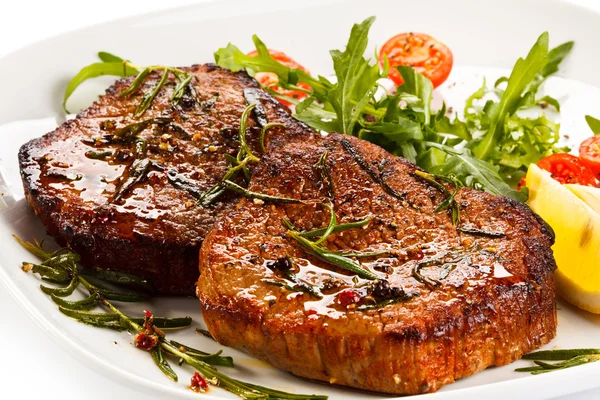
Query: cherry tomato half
(420,51)
(270,79)
(565,168)
(589,154)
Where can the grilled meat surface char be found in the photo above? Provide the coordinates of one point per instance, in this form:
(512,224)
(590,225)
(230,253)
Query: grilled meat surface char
(481,296)
(154,229)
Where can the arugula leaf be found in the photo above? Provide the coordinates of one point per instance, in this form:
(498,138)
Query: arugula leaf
(523,73)
(593,123)
(109,57)
(355,78)
(111,65)
(234,59)
(476,173)
(418,86)
(555,57)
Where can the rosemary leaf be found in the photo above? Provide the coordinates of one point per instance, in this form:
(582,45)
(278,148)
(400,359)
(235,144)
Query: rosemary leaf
(252,96)
(127,297)
(212,359)
(50,273)
(80,315)
(261,196)
(261,138)
(61,292)
(556,355)
(149,96)
(121,279)
(330,227)
(163,364)
(332,258)
(132,130)
(325,174)
(244,148)
(180,89)
(88,303)
(137,82)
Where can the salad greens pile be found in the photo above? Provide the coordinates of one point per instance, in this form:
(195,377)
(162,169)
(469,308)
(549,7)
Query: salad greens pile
(489,149)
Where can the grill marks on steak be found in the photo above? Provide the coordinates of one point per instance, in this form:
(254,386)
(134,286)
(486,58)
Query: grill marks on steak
(492,298)
(154,229)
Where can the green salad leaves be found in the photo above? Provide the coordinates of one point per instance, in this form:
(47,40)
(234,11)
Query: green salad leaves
(489,149)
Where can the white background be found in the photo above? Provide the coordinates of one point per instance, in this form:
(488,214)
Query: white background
(32,365)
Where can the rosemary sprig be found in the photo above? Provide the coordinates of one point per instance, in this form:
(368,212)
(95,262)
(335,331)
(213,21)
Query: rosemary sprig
(238,164)
(317,249)
(325,172)
(568,358)
(449,201)
(336,229)
(260,196)
(148,330)
(184,79)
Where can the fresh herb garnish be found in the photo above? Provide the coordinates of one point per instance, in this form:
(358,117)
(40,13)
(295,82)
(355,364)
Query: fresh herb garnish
(449,202)
(237,165)
(61,266)
(405,124)
(568,358)
(339,259)
(116,66)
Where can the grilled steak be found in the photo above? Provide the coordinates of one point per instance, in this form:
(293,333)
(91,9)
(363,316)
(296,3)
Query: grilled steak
(133,212)
(448,300)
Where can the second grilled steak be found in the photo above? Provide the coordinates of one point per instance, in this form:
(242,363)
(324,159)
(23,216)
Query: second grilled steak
(442,300)
(138,214)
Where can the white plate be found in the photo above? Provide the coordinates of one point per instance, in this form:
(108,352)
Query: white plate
(484,36)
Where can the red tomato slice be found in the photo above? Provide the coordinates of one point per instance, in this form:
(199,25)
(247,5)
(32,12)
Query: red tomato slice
(565,168)
(420,51)
(270,79)
(589,154)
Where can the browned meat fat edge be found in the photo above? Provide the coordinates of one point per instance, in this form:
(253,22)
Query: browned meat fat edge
(492,323)
(164,250)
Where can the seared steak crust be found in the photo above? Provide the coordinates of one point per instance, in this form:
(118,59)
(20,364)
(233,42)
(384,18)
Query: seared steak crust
(155,229)
(494,299)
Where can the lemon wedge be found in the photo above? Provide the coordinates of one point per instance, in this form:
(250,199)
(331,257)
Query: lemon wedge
(577,227)
(589,195)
